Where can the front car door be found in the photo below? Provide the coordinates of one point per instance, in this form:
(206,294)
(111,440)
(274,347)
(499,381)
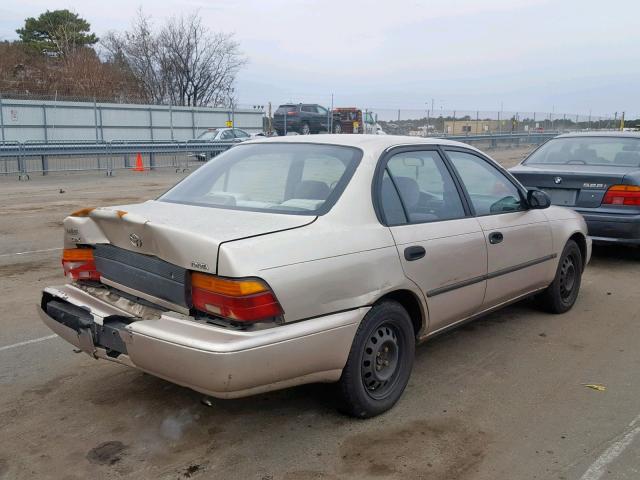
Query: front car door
(441,246)
(519,242)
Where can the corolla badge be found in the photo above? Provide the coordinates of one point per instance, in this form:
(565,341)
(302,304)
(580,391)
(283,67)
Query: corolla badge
(557,180)
(135,240)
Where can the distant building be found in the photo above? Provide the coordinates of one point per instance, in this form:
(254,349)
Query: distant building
(476,127)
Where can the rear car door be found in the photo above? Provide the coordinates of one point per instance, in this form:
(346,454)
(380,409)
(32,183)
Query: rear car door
(441,247)
(518,240)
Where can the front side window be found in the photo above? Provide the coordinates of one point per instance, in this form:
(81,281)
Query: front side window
(588,151)
(425,187)
(283,178)
(489,190)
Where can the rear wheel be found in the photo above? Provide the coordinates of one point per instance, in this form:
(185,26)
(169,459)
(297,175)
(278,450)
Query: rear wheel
(305,129)
(560,296)
(337,128)
(379,363)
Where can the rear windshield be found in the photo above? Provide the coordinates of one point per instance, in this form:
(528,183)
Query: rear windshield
(588,151)
(301,179)
(208,135)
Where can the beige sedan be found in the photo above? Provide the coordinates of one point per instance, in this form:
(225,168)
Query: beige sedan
(294,260)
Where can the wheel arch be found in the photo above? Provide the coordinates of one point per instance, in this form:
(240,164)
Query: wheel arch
(581,240)
(412,304)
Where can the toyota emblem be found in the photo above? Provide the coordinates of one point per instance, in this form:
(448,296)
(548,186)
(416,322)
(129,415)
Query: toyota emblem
(557,180)
(135,240)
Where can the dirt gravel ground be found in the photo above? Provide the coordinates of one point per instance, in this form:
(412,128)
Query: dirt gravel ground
(501,398)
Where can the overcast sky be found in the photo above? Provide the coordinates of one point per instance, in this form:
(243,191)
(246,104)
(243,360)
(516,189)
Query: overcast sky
(569,56)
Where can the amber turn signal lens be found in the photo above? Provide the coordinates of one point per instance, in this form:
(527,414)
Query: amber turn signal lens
(230,288)
(77,254)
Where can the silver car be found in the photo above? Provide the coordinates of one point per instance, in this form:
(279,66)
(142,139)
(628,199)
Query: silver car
(288,261)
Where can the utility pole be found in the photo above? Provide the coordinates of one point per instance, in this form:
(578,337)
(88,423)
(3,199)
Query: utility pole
(426,128)
(622,122)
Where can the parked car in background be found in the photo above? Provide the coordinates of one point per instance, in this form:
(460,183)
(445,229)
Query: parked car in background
(292,260)
(301,118)
(234,135)
(597,174)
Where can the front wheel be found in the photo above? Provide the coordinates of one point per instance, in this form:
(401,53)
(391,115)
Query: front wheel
(379,363)
(560,296)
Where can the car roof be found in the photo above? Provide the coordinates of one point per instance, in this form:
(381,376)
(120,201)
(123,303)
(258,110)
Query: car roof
(375,144)
(601,134)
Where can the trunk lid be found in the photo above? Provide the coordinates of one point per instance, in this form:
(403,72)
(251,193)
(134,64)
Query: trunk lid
(183,235)
(581,186)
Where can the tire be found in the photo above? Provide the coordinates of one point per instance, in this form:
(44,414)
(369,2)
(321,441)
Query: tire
(305,129)
(280,133)
(379,363)
(337,128)
(560,296)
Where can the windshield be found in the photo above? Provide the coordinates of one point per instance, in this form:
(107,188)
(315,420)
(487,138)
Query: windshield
(276,177)
(208,135)
(615,151)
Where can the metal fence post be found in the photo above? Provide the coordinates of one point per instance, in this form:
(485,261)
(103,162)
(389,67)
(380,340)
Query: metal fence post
(193,123)
(43,158)
(101,124)
(171,119)
(1,120)
(151,123)
(95,118)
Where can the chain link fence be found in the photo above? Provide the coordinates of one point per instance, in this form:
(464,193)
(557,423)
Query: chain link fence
(440,122)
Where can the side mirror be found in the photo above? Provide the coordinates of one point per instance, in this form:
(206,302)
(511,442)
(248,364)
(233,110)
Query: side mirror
(537,199)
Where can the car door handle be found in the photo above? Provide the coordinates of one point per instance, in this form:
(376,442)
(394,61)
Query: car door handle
(414,253)
(495,237)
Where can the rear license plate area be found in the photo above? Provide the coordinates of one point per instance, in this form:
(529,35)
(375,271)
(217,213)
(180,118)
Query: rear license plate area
(562,196)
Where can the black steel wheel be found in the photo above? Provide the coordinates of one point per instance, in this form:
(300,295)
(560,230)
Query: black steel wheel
(561,295)
(380,361)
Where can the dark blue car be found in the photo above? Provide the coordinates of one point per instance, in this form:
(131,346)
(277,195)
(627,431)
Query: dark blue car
(596,174)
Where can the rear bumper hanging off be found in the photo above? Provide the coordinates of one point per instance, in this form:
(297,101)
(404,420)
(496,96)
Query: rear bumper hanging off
(214,360)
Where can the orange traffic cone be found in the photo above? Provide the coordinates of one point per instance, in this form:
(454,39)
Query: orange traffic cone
(139,166)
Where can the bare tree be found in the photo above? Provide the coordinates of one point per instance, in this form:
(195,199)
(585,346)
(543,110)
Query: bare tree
(183,62)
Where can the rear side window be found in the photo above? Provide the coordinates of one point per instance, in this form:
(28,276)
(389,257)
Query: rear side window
(281,178)
(286,108)
(425,190)
(615,151)
(489,190)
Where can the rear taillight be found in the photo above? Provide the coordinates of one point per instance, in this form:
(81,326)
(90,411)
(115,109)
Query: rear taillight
(292,113)
(622,195)
(240,300)
(78,263)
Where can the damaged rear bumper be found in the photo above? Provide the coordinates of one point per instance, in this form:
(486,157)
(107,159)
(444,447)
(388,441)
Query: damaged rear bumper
(214,360)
